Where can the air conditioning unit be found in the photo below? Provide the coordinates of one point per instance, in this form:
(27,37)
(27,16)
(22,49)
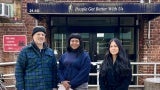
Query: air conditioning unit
(5,10)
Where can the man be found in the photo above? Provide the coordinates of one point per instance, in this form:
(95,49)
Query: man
(36,67)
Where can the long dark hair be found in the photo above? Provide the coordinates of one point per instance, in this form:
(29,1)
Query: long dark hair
(79,50)
(123,64)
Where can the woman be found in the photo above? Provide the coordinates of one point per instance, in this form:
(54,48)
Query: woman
(115,71)
(74,65)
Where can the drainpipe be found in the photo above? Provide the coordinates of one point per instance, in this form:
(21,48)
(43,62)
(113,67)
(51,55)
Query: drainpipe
(149,34)
(36,22)
(149,30)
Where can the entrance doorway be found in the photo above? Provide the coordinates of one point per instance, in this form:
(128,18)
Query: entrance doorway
(96,33)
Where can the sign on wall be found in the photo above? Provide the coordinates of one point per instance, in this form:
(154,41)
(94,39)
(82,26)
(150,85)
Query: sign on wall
(93,8)
(14,43)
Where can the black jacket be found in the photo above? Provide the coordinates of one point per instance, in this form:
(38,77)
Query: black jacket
(113,81)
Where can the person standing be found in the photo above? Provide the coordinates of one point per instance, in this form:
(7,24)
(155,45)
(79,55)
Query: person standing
(36,66)
(115,71)
(74,65)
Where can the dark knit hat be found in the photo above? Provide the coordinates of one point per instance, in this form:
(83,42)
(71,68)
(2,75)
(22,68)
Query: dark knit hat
(75,35)
(38,29)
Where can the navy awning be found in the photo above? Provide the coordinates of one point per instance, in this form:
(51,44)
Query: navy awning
(149,10)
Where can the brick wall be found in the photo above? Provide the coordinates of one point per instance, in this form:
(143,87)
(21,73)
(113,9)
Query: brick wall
(9,29)
(149,49)
(22,26)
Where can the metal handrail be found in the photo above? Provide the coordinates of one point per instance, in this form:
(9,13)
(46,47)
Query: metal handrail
(7,63)
(97,73)
(132,63)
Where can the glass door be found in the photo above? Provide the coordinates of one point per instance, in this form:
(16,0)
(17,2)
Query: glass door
(96,33)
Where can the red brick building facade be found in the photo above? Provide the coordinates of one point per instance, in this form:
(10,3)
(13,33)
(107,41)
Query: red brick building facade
(148,49)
